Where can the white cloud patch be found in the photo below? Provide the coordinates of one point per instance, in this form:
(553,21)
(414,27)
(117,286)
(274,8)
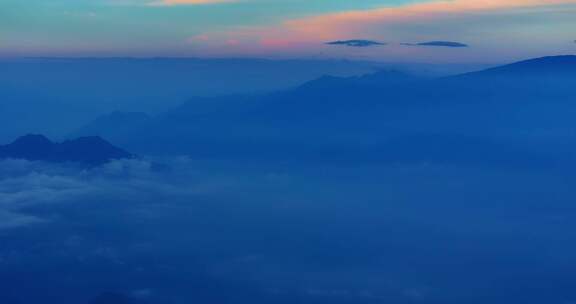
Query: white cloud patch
(132,183)
(337,234)
(25,184)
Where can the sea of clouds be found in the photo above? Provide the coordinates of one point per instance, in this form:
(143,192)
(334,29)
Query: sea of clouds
(179,230)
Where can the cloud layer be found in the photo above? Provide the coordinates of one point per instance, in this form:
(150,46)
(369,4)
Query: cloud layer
(185,231)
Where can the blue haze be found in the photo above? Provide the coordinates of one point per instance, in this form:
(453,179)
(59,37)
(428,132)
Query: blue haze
(364,187)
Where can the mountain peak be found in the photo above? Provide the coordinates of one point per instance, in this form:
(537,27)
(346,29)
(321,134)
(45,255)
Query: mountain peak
(92,150)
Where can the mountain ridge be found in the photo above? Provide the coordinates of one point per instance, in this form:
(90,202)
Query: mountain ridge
(91,150)
(336,110)
(560,64)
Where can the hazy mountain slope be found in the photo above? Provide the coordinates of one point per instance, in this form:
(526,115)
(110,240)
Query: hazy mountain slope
(522,106)
(157,84)
(55,95)
(275,114)
(552,66)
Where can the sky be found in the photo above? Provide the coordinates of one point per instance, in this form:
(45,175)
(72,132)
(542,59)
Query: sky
(495,30)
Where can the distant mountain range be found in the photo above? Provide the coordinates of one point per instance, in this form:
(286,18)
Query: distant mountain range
(53,96)
(526,105)
(91,150)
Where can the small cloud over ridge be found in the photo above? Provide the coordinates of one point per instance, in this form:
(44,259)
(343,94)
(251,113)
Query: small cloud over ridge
(451,44)
(356,43)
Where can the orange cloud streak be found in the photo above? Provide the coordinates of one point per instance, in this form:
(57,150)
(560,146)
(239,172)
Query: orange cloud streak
(387,24)
(353,22)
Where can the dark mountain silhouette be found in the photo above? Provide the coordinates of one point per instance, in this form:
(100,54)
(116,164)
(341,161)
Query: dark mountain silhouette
(91,150)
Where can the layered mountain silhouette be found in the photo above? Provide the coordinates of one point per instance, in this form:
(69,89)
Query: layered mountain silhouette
(523,106)
(91,150)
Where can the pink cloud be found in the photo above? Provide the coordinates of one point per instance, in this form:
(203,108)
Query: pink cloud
(356,24)
(331,26)
(444,19)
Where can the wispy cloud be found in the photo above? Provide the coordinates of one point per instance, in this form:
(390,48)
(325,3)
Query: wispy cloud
(356,43)
(452,44)
(481,23)
(354,22)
